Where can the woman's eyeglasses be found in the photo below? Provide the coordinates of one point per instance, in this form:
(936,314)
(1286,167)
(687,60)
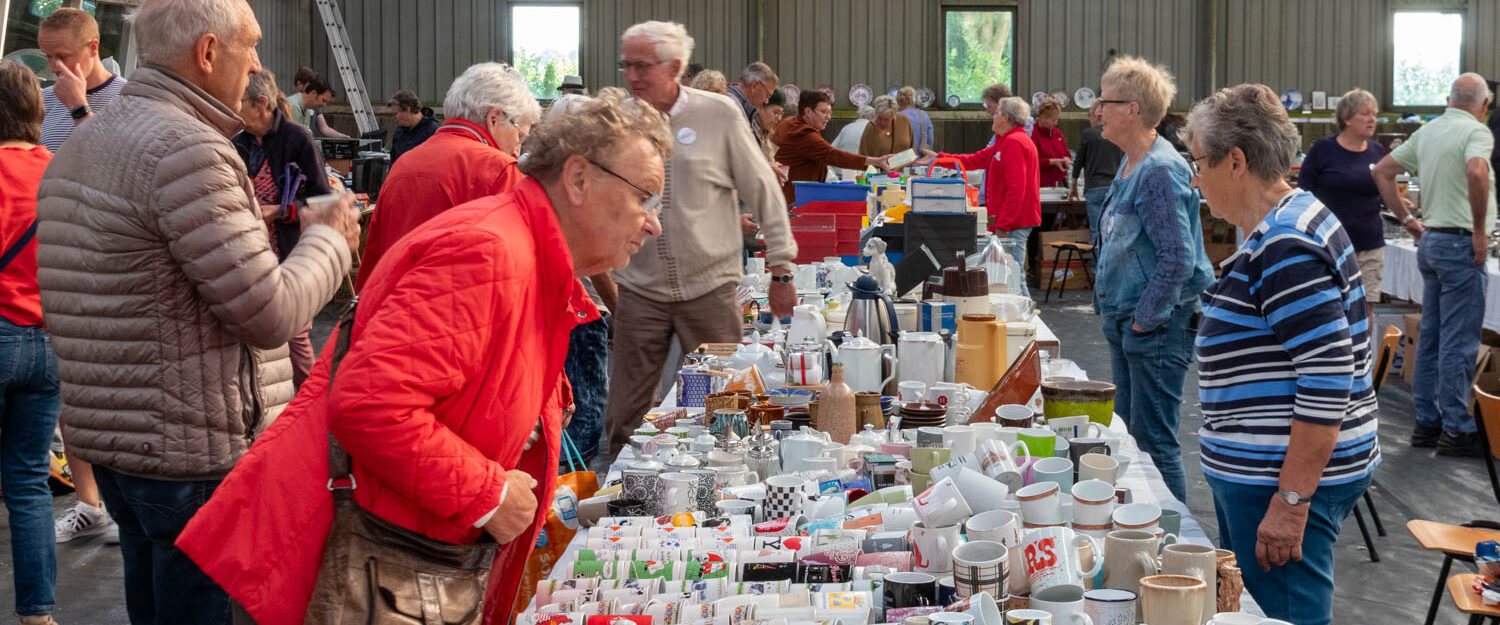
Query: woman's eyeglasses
(651,204)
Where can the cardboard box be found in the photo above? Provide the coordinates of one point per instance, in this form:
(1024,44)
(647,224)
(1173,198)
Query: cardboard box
(1413,322)
(1071,275)
(1049,253)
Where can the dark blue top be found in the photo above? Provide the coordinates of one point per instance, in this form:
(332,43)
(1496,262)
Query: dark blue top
(407,138)
(1341,180)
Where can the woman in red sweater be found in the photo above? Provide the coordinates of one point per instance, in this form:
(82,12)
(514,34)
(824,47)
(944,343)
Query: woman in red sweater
(1012,183)
(28,368)
(1051,147)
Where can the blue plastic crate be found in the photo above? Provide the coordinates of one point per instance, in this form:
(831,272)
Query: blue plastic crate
(828,192)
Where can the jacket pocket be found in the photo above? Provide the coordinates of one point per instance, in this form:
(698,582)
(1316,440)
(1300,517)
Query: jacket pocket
(250,408)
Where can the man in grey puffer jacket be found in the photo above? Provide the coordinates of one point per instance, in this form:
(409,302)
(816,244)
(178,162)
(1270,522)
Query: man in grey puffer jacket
(169,312)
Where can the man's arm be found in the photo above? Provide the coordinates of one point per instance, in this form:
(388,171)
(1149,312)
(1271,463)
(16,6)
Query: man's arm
(1477,170)
(1385,173)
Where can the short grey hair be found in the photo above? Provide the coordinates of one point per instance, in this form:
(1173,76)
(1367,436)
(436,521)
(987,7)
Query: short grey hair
(1014,109)
(1249,117)
(485,86)
(884,105)
(867,112)
(593,128)
(1351,103)
(166,30)
(1149,85)
(673,43)
(759,72)
(1469,93)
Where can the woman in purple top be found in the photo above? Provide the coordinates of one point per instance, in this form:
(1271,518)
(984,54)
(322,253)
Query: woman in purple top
(1337,171)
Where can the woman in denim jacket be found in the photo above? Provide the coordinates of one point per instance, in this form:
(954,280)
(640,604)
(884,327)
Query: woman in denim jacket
(1152,265)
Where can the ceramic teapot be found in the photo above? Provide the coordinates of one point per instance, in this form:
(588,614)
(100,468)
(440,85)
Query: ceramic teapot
(864,360)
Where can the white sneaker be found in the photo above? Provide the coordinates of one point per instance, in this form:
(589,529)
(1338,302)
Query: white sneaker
(112,533)
(83,520)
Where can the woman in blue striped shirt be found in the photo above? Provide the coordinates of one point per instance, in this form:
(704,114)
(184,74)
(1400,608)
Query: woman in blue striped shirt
(1283,360)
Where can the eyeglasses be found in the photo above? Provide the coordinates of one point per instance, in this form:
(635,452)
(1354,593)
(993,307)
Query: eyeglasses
(639,66)
(1102,101)
(1193,163)
(651,204)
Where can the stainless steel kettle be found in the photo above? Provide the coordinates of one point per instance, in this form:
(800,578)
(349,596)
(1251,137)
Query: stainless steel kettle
(871,312)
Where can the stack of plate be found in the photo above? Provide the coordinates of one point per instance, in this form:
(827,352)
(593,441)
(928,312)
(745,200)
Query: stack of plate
(916,415)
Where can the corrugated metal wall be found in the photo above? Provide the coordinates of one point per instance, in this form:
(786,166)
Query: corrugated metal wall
(724,33)
(285,42)
(842,42)
(420,46)
(1309,45)
(1067,44)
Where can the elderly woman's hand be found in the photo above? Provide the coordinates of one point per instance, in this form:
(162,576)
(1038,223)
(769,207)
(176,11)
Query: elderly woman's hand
(517,511)
(1279,538)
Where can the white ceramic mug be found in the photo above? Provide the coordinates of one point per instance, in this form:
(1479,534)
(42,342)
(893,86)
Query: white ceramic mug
(932,547)
(1057,470)
(1041,503)
(1028,617)
(960,438)
(1000,460)
(1014,413)
(1051,557)
(911,391)
(1198,561)
(1000,526)
(1111,606)
(1093,503)
(1074,427)
(942,504)
(982,493)
(1236,618)
(1098,467)
(1140,516)
(1064,602)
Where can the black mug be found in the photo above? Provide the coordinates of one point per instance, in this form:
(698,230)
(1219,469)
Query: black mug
(818,573)
(768,571)
(628,507)
(909,590)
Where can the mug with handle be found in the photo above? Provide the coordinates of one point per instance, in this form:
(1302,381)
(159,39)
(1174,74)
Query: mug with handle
(999,460)
(1110,606)
(1131,555)
(1051,558)
(1028,617)
(932,547)
(1064,603)
(1198,561)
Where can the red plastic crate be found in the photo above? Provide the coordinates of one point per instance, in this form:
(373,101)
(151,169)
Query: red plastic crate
(815,221)
(847,235)
(849,221)
(833,208)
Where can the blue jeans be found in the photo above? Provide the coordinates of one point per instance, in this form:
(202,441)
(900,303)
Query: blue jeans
(28,414)
(1022,235)
(1452,320)
(1298,592)
(162,586)
(1094,200)
(587,368)
(1149,370)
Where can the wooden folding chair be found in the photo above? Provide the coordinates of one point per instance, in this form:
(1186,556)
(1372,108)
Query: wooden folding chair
(1461,589)
(1487,396)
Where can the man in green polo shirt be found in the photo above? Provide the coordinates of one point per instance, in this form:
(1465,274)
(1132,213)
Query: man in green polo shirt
(1451,155)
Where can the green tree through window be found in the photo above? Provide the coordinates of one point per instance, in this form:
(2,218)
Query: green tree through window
(978,51)
(544,46)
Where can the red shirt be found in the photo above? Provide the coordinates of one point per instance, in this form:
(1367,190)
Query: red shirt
(460,163)
(20,174)
(1012,193)
(1049,145)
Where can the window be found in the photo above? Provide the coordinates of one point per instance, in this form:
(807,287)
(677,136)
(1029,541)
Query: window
(25,16)
(544,45)
(978,51)
(1426,59)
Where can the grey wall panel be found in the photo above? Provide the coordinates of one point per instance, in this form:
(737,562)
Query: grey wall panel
(419,46)
(724,33)
(843,42)
(1068,42)
(284,43)
(1309,45)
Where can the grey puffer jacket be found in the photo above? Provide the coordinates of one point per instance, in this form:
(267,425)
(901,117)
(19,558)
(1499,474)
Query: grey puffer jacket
(168,310)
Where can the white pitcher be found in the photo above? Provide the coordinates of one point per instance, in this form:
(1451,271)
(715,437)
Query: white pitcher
(862,360)
(923,357)
(807,323)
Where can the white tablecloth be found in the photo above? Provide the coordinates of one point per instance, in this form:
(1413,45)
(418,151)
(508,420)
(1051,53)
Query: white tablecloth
(1402,280)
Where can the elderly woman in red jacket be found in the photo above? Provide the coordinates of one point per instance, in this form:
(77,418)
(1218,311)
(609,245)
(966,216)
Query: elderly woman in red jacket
(450,398)
(1012,176)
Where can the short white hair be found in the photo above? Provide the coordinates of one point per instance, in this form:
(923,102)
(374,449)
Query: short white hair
(1469,90)
(867,112)
(1015,109)
(166,30)
(672,41)
(485,86)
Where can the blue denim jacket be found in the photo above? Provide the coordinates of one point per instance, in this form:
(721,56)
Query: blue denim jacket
(1151,256)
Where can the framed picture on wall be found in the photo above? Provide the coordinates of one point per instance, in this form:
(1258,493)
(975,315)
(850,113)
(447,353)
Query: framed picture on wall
(1320,99)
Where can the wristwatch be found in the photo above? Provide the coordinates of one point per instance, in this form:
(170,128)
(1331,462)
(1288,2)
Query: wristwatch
(783,278)
(1292,499)
(80,112)
(1408,219)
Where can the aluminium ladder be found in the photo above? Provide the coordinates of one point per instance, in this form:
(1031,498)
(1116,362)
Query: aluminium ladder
(343,54)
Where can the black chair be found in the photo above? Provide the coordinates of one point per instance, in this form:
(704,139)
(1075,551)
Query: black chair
(1063,254)
(1388,345)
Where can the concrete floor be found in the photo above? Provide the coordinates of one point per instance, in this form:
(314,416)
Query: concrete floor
(1410,484)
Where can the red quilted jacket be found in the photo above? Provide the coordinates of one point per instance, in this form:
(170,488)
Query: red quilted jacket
(457,351)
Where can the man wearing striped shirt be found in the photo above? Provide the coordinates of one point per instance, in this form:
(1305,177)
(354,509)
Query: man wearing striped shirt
(1289,433)
(70,39)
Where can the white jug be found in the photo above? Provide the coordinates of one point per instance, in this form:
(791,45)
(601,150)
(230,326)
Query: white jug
(862,360)
(923,357)
(801,446)
(807,323)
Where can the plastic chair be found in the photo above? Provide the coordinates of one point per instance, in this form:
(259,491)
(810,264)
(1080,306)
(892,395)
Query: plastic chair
(1063,255)
(1487,395)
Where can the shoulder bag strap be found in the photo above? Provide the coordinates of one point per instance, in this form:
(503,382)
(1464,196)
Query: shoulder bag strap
(15,248)
(338,459)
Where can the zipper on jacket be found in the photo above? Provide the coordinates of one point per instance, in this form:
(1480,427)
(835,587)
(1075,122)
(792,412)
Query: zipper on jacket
(249,392)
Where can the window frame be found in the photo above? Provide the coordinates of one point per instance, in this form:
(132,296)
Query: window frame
(510,40)
(1390,69)
(1015,19)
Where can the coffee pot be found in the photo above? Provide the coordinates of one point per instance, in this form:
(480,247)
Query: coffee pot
(807,323)
(866,363)
(871,312)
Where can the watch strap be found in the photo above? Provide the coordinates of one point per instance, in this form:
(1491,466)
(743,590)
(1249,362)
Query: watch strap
(1292,498)
(80,112)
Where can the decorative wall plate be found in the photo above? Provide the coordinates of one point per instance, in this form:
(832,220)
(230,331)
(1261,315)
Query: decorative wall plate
(792,93)
(1083,97)
(925,97)
(1291,99)
(861,94)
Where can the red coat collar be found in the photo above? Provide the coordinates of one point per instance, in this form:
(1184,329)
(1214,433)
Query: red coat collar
(465,128)
(556,264)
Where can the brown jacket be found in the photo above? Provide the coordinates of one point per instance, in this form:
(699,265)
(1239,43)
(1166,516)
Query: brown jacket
(167,307)
(807,154)
(877,143)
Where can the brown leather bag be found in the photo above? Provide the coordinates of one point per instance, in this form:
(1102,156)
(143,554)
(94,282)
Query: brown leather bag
(375,572)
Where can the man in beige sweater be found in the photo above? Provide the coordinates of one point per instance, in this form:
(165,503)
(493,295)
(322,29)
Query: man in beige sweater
(168,309)
(683,281)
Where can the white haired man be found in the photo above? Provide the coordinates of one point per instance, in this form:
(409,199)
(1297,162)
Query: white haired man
(488,112)
(683,282)
(167,306)
(751,92)
(1451,153)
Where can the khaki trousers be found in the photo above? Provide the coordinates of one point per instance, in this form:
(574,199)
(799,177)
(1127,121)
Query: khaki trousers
(643,328)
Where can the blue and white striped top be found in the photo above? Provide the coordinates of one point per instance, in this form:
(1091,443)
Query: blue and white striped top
(1285,337)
